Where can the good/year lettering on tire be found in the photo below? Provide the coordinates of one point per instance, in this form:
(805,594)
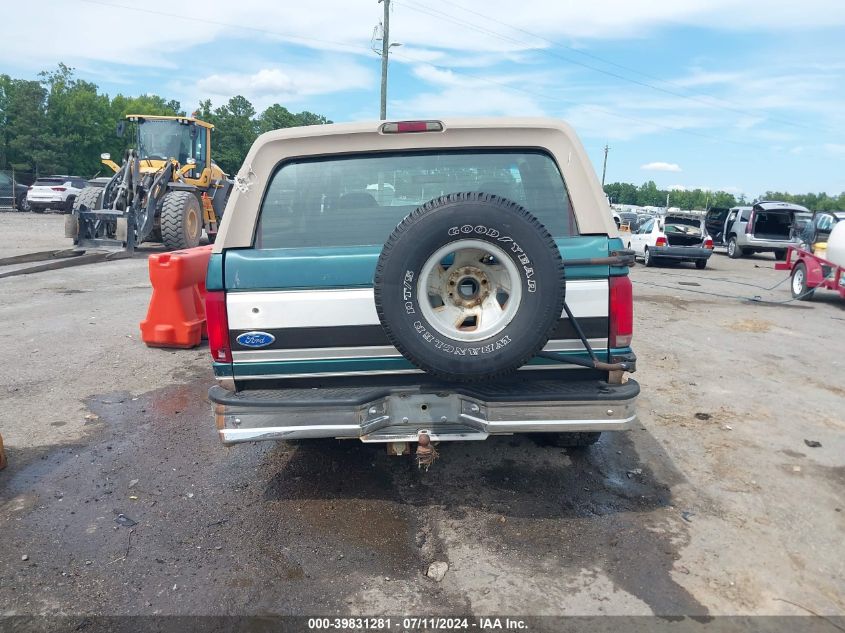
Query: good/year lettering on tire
(469,286)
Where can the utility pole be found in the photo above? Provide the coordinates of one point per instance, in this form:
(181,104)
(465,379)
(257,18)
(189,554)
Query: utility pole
(604,167)
(384,52)
(385,49)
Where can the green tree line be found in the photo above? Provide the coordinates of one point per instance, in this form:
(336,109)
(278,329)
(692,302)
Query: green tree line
(648,194)
(60,124)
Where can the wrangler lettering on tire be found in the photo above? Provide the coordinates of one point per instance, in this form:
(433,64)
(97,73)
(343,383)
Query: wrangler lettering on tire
(469,286)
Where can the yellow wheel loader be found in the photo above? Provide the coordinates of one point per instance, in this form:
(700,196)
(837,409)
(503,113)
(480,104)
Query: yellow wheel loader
(167,189)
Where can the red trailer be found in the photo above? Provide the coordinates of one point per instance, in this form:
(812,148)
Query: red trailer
(810,272)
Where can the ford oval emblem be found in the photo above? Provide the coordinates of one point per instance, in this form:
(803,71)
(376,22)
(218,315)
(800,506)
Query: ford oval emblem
(255,339)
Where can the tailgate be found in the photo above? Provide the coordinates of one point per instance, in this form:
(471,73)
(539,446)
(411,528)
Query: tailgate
(319,312)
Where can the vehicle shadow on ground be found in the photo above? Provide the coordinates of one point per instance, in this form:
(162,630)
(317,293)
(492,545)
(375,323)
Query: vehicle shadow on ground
(512,476)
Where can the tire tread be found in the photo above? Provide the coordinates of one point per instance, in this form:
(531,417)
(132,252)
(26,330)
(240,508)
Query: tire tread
(173,219)
(415,216)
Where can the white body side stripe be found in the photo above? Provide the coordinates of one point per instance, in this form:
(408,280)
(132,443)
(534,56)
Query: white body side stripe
(381,351)
(335,308)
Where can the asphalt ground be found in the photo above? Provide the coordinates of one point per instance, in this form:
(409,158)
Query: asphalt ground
(119,500)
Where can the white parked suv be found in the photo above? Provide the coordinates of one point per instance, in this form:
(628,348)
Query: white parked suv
(55,192)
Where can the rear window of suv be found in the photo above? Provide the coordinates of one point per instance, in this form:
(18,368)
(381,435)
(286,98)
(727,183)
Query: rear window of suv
(358,200)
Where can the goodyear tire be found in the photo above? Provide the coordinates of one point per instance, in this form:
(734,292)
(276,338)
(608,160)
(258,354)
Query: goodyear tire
(181,220)
(469,287)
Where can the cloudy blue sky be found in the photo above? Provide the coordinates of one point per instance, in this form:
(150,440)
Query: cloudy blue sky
(740,95)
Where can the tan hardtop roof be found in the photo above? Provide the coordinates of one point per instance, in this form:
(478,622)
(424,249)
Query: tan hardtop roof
(557,137)
(368,127)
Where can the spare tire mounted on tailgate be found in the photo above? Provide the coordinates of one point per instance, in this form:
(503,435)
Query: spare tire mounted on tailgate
(469,286)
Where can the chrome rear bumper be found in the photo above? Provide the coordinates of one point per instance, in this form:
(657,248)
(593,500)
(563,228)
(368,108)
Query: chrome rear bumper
(401,414)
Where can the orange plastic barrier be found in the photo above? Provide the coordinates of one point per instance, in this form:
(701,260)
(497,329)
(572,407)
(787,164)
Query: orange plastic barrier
(176,316)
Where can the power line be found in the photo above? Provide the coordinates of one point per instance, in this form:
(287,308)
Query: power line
(607,111)
(361,49)
(708,100)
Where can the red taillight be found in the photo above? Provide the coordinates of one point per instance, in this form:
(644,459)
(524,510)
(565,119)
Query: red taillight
(621,312)
(661,241)
(217,322)
(750,222)
(59,188)
(708,243)
(400,127)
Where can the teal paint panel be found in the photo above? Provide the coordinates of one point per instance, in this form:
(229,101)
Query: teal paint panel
(616,244)
(222,370)
(214,275)
(337,365)
(331,365)
(354,267)
(305,268)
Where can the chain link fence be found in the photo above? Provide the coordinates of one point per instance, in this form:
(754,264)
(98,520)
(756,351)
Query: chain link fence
(13,187)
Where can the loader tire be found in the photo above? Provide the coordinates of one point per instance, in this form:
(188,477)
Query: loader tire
(155,233)
(72,227)
(181,220)
(90,199)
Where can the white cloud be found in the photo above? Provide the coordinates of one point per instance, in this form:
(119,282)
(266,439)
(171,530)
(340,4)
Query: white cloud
(466,101)
(837,149)
(661,166)
(288,83)
(461,94)
(158,35)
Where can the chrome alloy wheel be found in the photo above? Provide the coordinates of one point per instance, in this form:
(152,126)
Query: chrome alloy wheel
(469,290)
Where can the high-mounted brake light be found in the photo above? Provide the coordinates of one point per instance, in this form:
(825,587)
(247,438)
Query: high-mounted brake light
(661,241)
(401,127)
(708,243)
(621,312)
(217,322)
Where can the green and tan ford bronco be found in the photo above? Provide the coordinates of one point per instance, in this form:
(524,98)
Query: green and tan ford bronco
(415,282)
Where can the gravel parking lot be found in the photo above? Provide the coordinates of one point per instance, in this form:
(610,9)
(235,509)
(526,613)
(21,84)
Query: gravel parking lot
(715,504)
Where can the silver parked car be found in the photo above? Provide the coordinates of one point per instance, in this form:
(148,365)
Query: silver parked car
(766,227)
